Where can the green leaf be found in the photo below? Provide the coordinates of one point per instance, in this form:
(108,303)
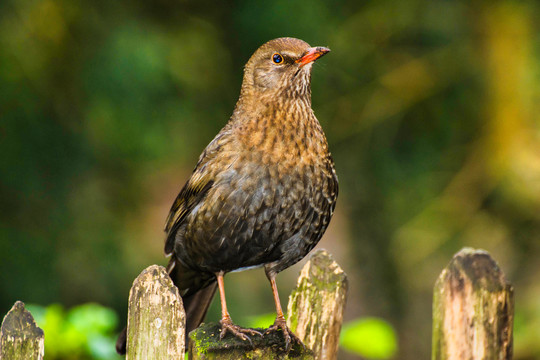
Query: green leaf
(261,321)
(84,332)
(371,338)
(92,318)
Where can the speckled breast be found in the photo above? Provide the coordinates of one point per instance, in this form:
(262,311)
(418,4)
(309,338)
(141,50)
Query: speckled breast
(259,213)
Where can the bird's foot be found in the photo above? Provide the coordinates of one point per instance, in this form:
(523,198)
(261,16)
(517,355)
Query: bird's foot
(288,335)
(228,326)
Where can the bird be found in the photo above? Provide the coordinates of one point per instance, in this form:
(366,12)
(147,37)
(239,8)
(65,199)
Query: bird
(262,192)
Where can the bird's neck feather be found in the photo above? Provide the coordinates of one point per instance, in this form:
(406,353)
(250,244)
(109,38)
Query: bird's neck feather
(281,128)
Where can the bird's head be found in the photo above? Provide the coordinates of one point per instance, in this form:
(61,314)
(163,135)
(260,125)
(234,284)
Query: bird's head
(281,66)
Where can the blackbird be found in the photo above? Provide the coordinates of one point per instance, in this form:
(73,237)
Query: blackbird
(262,193)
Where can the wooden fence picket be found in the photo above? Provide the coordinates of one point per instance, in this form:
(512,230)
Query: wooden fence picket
(20,337)
(473,310)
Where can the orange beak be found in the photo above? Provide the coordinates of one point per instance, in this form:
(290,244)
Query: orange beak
(312,54)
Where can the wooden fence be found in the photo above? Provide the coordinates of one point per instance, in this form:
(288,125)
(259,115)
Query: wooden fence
(473,311)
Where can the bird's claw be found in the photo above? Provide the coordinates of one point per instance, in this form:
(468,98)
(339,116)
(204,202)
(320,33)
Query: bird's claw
(239,332)
(288,335)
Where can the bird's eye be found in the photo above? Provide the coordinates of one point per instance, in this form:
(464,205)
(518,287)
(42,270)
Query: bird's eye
(277,58)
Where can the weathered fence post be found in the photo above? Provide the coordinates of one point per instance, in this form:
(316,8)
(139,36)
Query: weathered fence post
(20,337)
(315,315)
(473,310)
(316,305)
(156,317)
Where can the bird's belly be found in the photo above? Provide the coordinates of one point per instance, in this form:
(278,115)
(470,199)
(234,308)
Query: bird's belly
(251,217)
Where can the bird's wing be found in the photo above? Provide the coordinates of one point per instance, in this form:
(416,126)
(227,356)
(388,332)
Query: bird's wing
(194,191)
(190,195)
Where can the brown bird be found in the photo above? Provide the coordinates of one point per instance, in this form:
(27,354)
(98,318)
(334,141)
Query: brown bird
(263,191)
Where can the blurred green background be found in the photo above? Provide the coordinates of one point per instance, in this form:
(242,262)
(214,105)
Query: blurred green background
(430,107)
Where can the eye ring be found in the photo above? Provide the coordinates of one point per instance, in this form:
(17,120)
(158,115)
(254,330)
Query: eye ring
(277,58)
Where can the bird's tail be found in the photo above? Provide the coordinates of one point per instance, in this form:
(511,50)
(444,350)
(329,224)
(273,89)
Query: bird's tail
(198,289)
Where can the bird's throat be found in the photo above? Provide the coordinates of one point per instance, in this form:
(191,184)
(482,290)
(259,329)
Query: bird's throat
(281,131)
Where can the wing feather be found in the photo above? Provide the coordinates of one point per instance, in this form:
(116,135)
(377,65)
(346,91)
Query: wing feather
(195,190)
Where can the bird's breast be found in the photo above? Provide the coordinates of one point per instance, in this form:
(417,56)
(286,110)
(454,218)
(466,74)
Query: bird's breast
(253,208)
(287,143)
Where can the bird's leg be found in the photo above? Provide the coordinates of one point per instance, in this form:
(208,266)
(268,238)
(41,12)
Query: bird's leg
(280,322)
(226,321)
